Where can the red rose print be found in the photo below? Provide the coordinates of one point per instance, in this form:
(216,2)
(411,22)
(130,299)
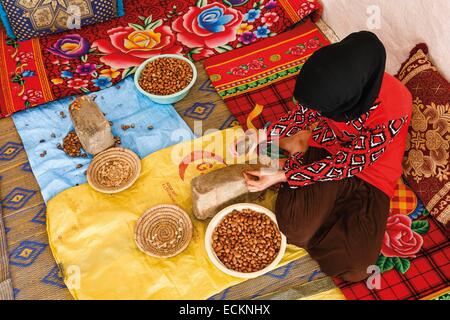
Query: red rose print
(24,57)
(255,65)
(270,18)
(77,83)
(32,96)
(313,43)
(238,71)
(297,51)
(210,26)
(127,47)
(399,240)
(306,8)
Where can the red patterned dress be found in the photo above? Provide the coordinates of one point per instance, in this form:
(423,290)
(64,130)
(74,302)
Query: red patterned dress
(337,199)
(370,147)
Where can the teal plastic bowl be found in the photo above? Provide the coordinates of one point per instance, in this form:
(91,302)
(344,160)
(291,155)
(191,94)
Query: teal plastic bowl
(171,98)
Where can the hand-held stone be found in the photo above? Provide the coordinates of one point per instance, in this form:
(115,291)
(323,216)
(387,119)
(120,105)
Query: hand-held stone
(220,188)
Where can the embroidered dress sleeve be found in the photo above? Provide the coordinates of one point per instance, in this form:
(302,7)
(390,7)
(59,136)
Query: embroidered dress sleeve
(352,157)
(294,122)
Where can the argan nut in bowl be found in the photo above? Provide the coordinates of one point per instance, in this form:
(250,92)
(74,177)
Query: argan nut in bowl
(243,240)
(114,170)
(163,231)
(165,78)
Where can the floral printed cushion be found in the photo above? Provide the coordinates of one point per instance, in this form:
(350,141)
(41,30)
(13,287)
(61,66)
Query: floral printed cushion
(25,19)
(426,162)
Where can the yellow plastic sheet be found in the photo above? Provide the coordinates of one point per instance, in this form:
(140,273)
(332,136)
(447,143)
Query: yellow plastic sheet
(92,234)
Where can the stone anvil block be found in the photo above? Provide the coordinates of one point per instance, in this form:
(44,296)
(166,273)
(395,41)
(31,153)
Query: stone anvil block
(91,126)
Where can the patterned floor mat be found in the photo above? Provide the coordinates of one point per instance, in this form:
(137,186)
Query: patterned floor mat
(33,270)
(6,289)
(203,109)
(299,278)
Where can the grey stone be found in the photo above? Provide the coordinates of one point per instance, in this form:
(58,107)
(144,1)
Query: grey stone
(91,126)
(221,188)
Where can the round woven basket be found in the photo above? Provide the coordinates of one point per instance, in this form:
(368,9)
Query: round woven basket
(163,231)
(122,158)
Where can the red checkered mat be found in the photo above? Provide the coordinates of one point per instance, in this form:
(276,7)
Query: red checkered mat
(276,100)
(428,273)
(422,273)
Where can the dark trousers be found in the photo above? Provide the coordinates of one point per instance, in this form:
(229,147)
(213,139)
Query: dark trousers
(340,223)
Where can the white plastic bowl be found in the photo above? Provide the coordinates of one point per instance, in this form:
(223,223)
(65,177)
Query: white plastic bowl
(171,98)
(215,222)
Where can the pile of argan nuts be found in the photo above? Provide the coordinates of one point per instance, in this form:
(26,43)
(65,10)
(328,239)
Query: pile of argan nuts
(71,145)
(165,76)
(246,241)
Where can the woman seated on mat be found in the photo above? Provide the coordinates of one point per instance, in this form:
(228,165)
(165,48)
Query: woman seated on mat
(354,117)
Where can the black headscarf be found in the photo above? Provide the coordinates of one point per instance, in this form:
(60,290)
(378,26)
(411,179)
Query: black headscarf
(343,80)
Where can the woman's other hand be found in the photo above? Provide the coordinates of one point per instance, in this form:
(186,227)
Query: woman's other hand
(263,179)
(299,142)
(248,143)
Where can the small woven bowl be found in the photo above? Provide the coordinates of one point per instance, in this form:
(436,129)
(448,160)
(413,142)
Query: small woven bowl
(123,155)
(163,231)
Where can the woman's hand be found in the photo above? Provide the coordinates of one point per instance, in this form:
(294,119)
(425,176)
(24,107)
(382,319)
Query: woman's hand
(297,143)
(248,143)
(263,179)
